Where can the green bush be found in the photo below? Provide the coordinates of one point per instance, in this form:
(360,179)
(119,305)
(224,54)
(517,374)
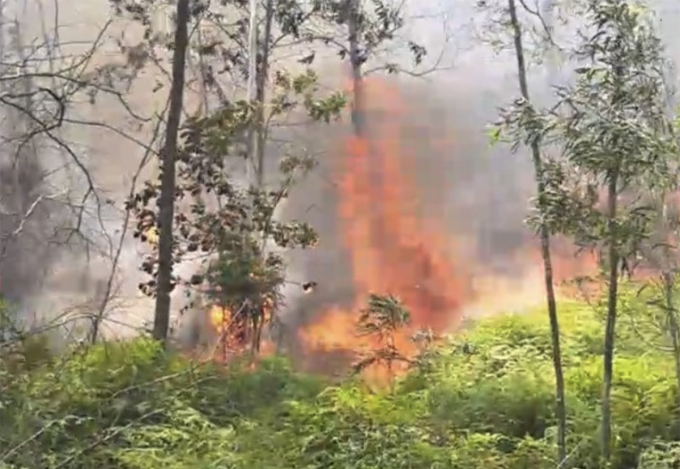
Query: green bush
(483,399)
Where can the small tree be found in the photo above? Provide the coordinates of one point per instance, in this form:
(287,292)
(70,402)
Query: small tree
(659,292)
(658,327)
(384,317)
(612,130)
(519,122)
(223,225)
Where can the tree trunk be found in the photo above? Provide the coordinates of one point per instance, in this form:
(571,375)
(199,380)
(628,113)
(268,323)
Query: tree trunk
(610,328)
(359,113)
(251,96)
(673,329)
(560,405)
(252,151)
(166,205)
(260,94)
(356,62)
(258,139)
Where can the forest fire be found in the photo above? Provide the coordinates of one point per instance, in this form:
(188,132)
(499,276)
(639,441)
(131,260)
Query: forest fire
(394,249)
(233,340)
(230,343)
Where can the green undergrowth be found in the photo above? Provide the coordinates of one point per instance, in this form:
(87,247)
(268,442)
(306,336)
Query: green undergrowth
(483,399)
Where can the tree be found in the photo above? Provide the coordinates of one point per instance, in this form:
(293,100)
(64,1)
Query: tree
(659,254)
(367,27)
(261,69)
(226,55)
(223,225)
(612,131)
(658,296)
(520,120)
(227,132)
(166,201)
(381,320)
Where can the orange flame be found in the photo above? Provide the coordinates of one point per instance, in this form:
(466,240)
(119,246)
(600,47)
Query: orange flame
(228,345)
(393,249)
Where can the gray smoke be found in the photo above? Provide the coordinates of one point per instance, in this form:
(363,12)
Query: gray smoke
(474,191)
(477,191)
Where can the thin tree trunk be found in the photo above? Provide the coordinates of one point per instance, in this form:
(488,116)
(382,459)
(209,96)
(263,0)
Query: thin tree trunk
(251,92)
(258,134)
(3,22)
(259,128)
(673,328)
(668,278)
(166,206)
(610,327)
(251,96)
(560,405)
(359,112)
(356,62)
(260,95)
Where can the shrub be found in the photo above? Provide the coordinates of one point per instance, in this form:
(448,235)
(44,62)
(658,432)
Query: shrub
(483,399)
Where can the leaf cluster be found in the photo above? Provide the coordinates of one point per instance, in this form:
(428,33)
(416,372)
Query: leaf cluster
(384,316)
(612,123)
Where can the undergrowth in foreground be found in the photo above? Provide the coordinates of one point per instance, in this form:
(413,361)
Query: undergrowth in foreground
(482,400)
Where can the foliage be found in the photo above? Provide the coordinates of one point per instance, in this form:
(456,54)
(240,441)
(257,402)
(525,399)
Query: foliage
(384,316)
(613,121)
(616,149)
(7,326)
(382,319)
(374,25)
(483,401)
(226,227)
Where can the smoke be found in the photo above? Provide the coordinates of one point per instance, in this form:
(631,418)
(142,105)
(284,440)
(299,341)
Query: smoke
(31,209)
(59,221)
(479,193)
(24,252)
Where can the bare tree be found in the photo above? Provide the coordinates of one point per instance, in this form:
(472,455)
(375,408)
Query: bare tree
(40,217)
